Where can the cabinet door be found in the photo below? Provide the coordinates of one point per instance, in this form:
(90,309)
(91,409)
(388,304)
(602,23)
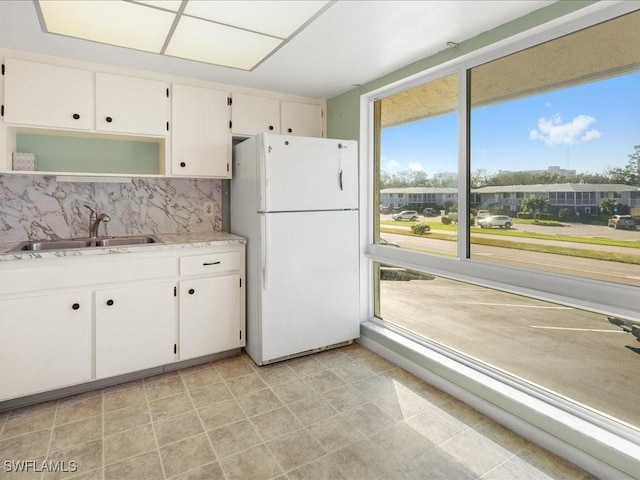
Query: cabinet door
(135,328)
(301,119)
(251,115)
(200,136)
(210,320)
(131,105)
(45,343)
(37,94)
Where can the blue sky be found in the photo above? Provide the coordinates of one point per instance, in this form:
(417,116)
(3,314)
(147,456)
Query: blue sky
(587,128)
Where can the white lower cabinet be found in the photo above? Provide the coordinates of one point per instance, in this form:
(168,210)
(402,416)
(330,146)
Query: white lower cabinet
(135,328)
(45,342)
(210,318)
(116,314)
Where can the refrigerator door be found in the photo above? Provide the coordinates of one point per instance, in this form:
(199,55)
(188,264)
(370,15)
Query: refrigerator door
(309,282)
(304,174)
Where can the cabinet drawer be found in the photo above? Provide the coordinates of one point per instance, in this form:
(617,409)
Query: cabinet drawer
(211,263)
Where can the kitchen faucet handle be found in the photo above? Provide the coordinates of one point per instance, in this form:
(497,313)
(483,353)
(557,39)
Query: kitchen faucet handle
(93,212)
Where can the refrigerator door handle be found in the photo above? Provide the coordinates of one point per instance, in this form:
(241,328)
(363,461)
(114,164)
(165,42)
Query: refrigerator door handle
(265,250)
(265,200)
(340,180)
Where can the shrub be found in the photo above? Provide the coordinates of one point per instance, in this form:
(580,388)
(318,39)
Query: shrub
(525,215)
(420,228)
(445,220)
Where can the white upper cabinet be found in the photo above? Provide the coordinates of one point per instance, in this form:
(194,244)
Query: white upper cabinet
(184,130)
(251,115)
(131,105)
(200,136)
(43,95)
(301,119)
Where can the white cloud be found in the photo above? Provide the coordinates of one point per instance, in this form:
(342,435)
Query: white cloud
(553,132)
(590,135)
(548,105)
(392,166)
(415,167)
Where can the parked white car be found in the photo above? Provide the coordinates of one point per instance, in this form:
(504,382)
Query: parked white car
(622,221)
(502,221)
(411,215)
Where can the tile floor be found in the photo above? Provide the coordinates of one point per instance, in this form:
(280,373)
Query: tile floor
(341,414)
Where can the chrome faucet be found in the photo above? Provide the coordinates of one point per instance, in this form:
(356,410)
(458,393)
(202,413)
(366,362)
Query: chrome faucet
(94,221)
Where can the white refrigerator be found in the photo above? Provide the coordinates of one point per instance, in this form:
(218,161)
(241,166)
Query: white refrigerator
(295,200)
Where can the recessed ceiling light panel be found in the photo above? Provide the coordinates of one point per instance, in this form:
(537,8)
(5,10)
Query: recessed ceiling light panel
(208,42)
(238,34)
(124,24)
(278,18)
(171,5)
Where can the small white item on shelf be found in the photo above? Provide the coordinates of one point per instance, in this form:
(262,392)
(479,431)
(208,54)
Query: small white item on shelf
(24,161)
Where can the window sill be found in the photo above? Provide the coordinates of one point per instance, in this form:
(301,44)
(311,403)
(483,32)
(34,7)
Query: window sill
(597,444)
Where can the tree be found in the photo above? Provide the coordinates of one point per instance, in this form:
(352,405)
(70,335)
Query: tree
(535,205)
(588,177)
(630,174)
(480,178)
(609,206)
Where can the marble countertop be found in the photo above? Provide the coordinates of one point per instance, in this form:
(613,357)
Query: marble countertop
(169,241)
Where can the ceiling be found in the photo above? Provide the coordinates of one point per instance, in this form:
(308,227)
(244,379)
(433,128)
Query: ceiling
(350,43)
(601,51)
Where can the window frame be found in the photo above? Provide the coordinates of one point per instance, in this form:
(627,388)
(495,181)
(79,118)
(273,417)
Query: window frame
(581,293)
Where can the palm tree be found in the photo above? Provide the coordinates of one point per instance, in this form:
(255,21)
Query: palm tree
(535,205)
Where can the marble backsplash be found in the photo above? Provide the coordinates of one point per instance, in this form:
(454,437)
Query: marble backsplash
(39,207)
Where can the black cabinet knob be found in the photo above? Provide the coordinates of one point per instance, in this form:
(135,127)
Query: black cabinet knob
(109,302)
(182,164)
(75,306)
(270,127)
(76,116)
(191,291)
(109,119)
(289,130)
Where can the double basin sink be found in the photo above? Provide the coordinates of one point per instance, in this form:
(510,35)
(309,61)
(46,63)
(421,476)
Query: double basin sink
(39,245)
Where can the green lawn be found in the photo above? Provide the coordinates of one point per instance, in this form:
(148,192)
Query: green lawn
(573,252)
(437,225)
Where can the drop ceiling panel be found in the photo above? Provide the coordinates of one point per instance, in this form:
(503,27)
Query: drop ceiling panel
(279,18)
(123,24)
(208,42)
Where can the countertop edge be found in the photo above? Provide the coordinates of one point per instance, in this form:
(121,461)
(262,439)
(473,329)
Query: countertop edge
(170,241)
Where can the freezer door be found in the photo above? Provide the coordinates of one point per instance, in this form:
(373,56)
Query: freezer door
(304,173)
(309,284)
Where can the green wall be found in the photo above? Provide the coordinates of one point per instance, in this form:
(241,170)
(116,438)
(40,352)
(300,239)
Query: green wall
(343,119)
(58,153)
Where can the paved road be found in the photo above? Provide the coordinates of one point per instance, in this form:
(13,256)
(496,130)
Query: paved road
(597,269)
(576,354)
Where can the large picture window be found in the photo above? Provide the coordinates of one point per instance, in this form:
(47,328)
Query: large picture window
(533,266)
(555,145)
(418,174)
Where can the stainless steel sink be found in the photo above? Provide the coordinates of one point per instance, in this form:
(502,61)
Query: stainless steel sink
(40,245)
(51,245)
(123,241)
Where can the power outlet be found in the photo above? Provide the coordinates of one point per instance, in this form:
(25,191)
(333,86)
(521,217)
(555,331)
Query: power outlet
(208,209)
